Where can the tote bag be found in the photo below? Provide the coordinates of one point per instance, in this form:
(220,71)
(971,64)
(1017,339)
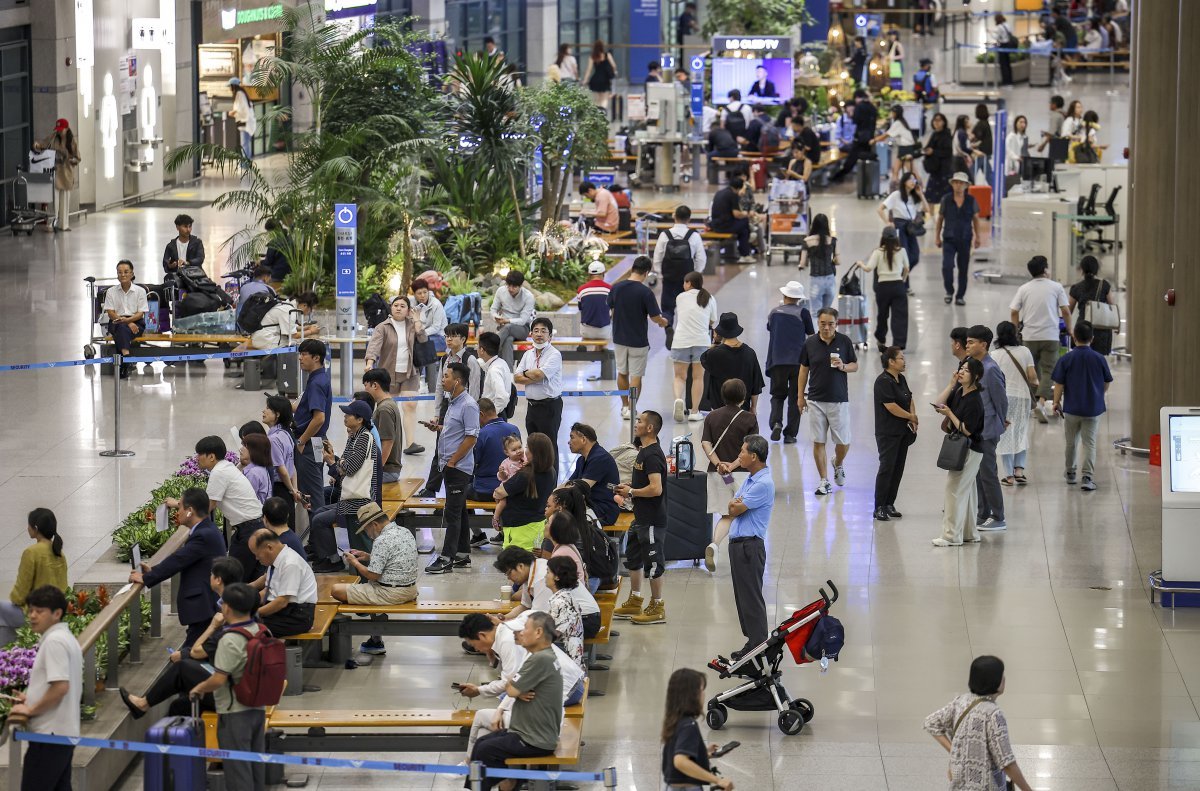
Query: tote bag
(953,455)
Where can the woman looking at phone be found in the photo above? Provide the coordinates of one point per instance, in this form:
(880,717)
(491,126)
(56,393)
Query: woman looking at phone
(961,407)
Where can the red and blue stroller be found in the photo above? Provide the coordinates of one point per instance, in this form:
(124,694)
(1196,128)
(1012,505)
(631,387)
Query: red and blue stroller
(811,634)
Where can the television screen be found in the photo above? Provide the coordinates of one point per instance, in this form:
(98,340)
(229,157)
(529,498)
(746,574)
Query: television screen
(1185,453)
(761,81)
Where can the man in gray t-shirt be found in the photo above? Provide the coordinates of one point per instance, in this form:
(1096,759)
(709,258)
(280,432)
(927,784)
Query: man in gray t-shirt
(378,383)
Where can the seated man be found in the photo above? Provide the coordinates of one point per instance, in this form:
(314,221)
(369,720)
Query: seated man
(606,217)
(124,311)
(259,284)
(489,455)
(187,669)
(727,216)
(184,249)
(598,469)
(389,569)
(289,588)
(536,719)
(529,573)
(275,519)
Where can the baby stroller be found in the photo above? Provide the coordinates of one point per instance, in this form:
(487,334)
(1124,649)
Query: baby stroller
(810,634)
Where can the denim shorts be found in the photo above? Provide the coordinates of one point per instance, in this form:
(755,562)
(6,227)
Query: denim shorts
(688,354)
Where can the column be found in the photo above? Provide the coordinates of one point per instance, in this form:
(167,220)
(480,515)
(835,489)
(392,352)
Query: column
(541,38)
(431,16)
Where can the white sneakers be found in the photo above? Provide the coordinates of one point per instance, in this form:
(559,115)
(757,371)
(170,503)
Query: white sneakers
(679,416)
(710,557)
(839,475)
(625,413)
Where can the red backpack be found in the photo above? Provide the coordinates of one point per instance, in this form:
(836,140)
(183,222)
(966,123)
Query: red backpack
(265,672)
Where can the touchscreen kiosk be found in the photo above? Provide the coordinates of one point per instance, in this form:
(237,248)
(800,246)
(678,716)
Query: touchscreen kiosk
(1180,430)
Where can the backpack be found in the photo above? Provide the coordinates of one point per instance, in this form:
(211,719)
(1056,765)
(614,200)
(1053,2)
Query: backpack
(735,121)
(769,140)
(250,318)
(375,309)
(923,86)
(510,408)
(827,638)
(265,672)
(678,260)
(624,455)
(599,554)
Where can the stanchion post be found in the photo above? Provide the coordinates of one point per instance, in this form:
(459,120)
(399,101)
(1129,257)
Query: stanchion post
(475,776)
(116,451)
(14,755)
(610,777)
(633,411)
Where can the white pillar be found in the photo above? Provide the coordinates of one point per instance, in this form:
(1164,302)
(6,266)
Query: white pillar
(431,16)
(541,38)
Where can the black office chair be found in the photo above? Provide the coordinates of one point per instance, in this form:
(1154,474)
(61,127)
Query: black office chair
(1098,225)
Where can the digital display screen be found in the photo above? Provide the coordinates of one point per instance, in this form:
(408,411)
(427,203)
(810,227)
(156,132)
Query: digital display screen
(761,80)
(1183,445)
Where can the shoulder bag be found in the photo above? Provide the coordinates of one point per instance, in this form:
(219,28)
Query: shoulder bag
(1032,387)
(1102,315)
(953,455)
(916,221)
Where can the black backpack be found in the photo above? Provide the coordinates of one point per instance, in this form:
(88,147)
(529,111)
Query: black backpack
(510,409)
(250,317)
(375,308)
(735,121)
(599,554)
(678,260)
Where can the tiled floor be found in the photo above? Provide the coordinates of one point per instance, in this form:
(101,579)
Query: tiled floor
(1101,691)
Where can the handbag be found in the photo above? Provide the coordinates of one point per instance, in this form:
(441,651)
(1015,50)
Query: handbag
(424,353)
(1032,388)
(1102,315)
(953,455)
(851,285)
(916,223)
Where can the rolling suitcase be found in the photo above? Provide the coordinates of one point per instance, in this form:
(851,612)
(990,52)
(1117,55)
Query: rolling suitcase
(868,178)
(287,381)
(852,318)
(689,527)
(176,772)
(983,196)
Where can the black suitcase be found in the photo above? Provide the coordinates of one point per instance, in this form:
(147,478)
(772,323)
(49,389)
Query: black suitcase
(868,178)
(176,772)
(287,380)
(689,526)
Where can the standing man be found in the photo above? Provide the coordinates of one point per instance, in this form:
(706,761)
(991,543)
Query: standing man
(513,309)
(51,701)
(995,412)
(456,352)
(540,370)
(1081,378)
(865,117)
(751,512)
(959,230)
(184,249)
(195,600)
(1036,309)
(726,216)
(824,362)
(497,375)
(678,250)
(958,347)
(386,419)
(312,422)
(644,553)
(632,303)
(895,429)
(606,216)
(687,24)
(289,587)
(788,327)
(125,309)
(594,319)
(598,469)
(456,440)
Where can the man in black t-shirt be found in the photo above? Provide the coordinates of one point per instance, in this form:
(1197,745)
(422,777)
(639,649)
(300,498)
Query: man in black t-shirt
(726,216)
(632,303)
(827,357)
(644,552)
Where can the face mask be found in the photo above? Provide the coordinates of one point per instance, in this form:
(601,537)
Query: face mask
(540,346)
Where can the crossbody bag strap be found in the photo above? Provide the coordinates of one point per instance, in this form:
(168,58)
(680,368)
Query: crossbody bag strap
(963,716)
(1014,359)
(726,431)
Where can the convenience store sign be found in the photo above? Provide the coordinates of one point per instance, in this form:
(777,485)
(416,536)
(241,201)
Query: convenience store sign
(265,14)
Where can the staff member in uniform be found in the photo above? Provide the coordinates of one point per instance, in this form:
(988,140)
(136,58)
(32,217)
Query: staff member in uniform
(540,370)
(895,429)
(751,512)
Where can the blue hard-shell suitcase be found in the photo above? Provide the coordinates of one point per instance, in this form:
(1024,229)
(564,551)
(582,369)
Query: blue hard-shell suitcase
(176,772)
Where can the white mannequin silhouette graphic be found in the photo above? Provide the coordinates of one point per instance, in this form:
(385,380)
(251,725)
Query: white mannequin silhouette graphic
(108,126)
(148,110)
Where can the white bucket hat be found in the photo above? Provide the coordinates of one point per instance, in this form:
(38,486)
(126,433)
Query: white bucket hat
(960,176)
(793,290)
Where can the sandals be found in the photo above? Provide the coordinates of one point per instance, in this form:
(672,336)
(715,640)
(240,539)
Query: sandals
(1021,479)
(1007,481)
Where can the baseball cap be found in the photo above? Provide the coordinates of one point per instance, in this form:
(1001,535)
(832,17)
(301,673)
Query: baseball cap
(596,268)
(358,408)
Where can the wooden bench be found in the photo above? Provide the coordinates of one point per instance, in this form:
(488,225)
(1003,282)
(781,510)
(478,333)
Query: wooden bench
(415,619)
(570,739)
(439,731)
(151,344)
(394,494)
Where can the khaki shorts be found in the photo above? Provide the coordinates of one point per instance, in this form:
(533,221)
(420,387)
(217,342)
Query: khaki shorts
(830,418)
(720,493)
(631,360)
(370,593)
(590,333)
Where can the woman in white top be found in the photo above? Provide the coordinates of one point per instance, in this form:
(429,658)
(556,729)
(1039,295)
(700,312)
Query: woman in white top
(1016,149)
(568,67)
(1073,122)
(889,262)
(1020,374)
(906,209)
(902,140)
(243,114)
(695,315)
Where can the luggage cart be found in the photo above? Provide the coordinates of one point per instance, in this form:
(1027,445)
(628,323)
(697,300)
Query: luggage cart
(30,190)
(789,218)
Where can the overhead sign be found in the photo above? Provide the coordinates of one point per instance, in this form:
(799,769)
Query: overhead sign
(645,23)
(345,240)
(774,45)
(149,33)
(337,9)
(265,14)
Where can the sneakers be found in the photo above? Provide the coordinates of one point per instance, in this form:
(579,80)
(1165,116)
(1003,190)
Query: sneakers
(1039,412)
(462,562)
(679,416)
(992,523)
(941,542)
(631,607)
(960,301)
(1070,476)
(839,475)
(949,298)
(881,515)
(747,259)
(776,432)
(440,566)
(974,540)
(789,440)
(824,488)
(497,539)
(655,612)
(710,557)
(695,416)
(374,647)
(625,413)
(479,540)
(1088,484)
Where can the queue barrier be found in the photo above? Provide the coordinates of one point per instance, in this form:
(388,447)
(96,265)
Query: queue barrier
(475,772)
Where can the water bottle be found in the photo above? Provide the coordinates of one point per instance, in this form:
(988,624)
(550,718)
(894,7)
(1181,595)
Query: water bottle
(642,228)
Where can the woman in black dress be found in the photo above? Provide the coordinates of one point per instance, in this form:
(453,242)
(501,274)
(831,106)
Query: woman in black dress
(730,359)
(601,71)
(1092,288)
(961,408)
(939,154)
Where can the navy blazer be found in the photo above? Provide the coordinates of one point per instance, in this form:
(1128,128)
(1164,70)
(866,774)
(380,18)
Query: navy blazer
(195,601)
(995,399)
(195,254)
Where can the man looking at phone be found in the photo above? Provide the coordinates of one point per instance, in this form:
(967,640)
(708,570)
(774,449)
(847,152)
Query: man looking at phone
(827,357)
(289,587)
(456,441)
(312,413)
(389,570)
(995,412)
(751,512)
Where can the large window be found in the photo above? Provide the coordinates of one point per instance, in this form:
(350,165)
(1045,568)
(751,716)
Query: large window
(468,22)
(15,101)
(581,22)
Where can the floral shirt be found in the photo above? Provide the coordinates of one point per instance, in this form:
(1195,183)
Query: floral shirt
(568,622)
(979,748)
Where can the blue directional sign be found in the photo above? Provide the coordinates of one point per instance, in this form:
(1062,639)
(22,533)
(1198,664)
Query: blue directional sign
(345,238)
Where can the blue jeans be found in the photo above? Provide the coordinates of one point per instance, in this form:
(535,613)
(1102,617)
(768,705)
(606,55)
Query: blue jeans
(823,292)
(910,243)
(956,253)
(247,144)
(1012,461)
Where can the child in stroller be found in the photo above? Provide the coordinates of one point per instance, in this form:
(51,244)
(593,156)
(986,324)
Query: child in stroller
(811,634)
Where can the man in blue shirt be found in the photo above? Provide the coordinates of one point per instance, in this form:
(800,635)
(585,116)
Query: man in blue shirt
(457,435)
(489,455)
(312,422)
(1081,378)
(259,285)
(598,469)
(959,230)
(995,422)
(751,512)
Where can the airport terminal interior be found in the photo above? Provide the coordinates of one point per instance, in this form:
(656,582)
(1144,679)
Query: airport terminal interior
(1099,690)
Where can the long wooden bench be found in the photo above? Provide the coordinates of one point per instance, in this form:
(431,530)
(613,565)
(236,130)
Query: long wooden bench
(151,344)
(305,731)
(415,619)
(394,494)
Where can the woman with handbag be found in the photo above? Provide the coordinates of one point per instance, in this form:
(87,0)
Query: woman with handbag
(1092,299)
(394,345)
(1020,384)
(974,731)
(906,209)
(961,407)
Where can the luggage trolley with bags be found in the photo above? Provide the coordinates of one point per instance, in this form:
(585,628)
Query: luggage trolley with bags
(790,217)
(811,634)
(30,190)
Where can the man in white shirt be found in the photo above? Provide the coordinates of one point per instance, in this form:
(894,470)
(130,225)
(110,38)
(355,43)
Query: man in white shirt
(51,701)
(540,370)
(497,375)
(513,308)
(521,568)
(289,588)
(232,492)
(674,261)
(1036,309)
(124,311)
